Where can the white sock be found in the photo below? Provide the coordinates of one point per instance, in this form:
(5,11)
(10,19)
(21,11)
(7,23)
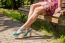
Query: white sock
(20,30)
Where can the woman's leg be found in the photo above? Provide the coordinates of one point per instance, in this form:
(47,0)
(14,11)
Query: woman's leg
(32,18)
(32,7)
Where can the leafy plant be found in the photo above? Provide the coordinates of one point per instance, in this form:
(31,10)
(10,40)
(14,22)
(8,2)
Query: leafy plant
(62,39)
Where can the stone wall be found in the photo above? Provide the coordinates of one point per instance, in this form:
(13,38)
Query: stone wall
(63,4)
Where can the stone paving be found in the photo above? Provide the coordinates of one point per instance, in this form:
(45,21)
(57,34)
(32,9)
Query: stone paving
(7,27)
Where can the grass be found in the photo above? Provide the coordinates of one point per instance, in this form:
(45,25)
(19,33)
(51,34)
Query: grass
(14,14)
(39,25)
(61,39)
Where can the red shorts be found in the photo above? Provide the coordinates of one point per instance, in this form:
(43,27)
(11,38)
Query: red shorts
(50,11)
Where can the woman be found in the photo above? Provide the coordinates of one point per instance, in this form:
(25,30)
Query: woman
(49,6)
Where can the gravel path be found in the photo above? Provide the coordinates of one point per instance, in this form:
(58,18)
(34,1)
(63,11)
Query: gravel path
(7,27)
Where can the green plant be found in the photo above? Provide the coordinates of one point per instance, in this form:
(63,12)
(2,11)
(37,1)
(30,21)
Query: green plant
(14,14)
(62,39)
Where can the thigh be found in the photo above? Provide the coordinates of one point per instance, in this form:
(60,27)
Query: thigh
(41,9)
(38,10)
(39,4)
(35,5)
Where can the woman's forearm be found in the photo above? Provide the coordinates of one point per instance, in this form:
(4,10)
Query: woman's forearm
(59,3)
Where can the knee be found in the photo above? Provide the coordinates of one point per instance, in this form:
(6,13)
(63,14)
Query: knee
(33,5)
(36,9)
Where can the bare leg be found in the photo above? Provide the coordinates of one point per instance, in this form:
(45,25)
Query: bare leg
(33,14)
(32,18)
(33,6)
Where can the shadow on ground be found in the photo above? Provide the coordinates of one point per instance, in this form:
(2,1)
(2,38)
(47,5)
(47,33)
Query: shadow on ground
(36,37)
(7,23)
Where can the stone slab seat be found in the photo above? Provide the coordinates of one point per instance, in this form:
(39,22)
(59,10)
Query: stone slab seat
(54,19)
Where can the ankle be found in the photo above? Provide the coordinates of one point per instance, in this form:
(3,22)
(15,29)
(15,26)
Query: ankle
(18,31)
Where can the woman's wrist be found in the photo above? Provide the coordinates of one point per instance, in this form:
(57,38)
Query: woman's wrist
(59,8)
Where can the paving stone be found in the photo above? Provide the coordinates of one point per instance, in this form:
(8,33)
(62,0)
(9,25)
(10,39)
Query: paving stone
(7,37)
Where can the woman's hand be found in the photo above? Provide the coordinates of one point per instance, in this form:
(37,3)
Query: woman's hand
(58,10)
